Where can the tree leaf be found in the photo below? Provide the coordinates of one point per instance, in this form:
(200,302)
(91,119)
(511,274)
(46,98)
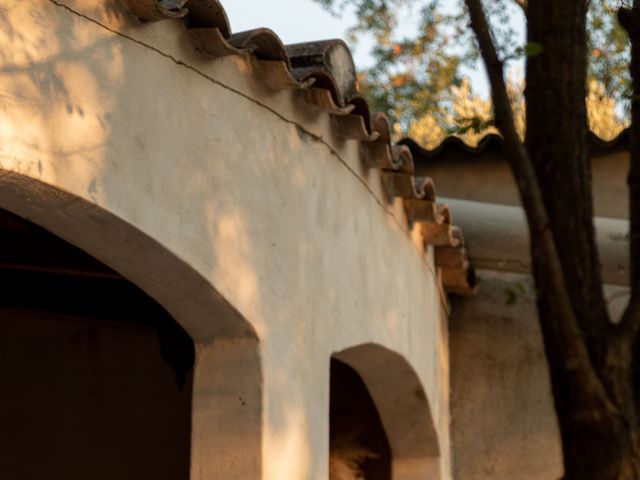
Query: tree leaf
(511,297)
(532,49)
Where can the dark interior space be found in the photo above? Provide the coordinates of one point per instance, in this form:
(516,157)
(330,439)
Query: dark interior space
(96,376)
(357,437)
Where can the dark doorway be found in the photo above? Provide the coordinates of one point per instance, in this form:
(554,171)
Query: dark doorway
(96,376)
(358,444)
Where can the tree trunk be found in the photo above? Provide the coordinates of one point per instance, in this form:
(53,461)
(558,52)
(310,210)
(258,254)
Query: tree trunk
(557,145)
(598,433)
(630,19)
(589,358)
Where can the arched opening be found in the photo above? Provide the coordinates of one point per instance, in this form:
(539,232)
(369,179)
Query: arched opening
(358,444)
(226,397)
(401,407)
(96,376)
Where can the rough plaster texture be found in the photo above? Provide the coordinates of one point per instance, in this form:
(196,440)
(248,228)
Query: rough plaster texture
(504,424)
(503,418)
(236,208)
(474,177)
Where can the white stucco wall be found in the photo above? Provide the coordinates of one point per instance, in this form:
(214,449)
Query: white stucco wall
(248,188)
(504,425)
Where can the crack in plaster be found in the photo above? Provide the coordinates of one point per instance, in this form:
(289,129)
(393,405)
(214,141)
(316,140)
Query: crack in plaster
(317,138)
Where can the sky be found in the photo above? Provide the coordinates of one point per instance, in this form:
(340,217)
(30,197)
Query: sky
(293,20)
(304,21)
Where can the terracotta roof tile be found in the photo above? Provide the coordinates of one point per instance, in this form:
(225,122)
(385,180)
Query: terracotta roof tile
(324,74)
(492,142)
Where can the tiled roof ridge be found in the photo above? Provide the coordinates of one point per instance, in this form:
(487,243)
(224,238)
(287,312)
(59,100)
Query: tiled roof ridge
(324,75)
(494,142)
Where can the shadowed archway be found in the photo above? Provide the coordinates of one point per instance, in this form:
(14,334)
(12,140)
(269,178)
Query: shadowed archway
(148,315)
(403,409)
(358,443)
(97,376)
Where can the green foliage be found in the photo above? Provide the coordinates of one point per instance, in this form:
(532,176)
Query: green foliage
(511,294)
(609,52)
(472,125)
(421,47)
(411,74)
(532,49)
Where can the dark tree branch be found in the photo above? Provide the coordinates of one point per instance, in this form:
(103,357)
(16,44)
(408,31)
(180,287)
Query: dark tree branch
(558,149)
(589,359)
(563,334)
(591,382)
(627,341)
(629,18)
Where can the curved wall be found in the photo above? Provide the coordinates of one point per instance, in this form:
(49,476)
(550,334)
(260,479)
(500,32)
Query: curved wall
(233,206)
